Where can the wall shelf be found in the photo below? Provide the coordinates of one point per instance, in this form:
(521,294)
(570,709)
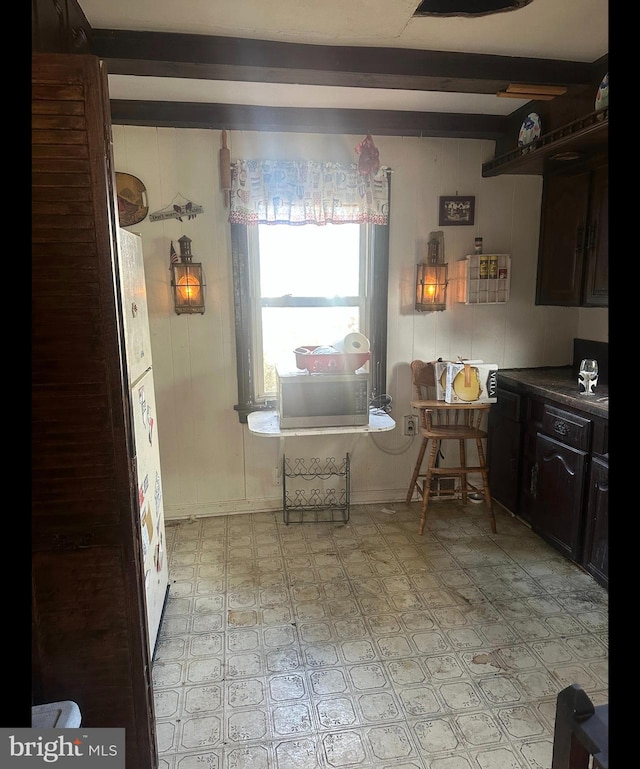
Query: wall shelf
(483,279)
(586,136)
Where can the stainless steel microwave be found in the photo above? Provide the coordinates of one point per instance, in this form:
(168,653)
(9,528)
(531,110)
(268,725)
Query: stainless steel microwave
(322,400)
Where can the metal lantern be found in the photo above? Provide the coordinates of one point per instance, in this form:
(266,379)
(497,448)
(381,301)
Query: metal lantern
(431,287)
(187,281)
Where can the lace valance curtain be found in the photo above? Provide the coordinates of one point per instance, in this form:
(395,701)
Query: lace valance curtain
(306,192)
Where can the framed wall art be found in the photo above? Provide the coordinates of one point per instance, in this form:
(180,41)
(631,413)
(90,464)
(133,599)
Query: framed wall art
(457,210)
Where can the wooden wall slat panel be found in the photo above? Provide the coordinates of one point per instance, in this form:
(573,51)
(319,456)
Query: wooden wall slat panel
(88,613)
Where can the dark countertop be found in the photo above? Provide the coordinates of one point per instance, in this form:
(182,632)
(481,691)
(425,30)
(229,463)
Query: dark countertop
(557,384)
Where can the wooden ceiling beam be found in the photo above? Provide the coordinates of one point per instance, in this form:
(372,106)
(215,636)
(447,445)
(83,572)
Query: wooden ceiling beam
(176,55)
(306,120)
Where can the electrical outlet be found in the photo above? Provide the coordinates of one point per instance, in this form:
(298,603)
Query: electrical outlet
(277,477)
(410,425)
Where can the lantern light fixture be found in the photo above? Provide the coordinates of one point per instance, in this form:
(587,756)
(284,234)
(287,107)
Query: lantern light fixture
(187,281)
(431,279)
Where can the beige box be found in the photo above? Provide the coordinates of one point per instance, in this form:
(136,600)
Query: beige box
(471,382)
(440,371)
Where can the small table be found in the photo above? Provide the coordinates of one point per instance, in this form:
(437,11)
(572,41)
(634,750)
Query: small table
(266,423)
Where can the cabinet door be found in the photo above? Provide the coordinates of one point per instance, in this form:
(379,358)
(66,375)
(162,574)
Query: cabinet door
(504,449)
(596,548)
(562,238)
(558,495)
(596,289)
(533,411)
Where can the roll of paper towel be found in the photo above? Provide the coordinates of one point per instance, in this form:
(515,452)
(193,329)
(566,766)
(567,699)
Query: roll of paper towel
(353,342)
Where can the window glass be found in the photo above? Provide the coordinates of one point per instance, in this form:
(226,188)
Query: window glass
(309,290)
(309,260)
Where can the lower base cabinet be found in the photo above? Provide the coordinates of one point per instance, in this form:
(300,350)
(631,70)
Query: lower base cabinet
(596,547)
(549,466)
(558,492)
(503,449)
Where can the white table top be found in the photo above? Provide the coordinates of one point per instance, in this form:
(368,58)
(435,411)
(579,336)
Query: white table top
(266,423)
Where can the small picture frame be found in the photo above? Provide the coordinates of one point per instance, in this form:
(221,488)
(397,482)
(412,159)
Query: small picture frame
(457,210)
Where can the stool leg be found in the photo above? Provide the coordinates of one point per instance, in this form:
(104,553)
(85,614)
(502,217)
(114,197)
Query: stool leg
(435,447)
(416,471)
(463,475)
(485,484)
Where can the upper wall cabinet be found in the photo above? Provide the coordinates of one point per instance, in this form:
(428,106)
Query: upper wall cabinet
(59,26)
(573,261)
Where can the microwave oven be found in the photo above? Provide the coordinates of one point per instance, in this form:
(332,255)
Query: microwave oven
(322,400)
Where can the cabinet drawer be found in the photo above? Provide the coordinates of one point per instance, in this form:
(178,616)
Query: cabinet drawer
(567,428)
(507,405)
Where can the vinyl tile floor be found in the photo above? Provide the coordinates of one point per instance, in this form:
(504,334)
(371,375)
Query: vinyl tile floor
(366,646)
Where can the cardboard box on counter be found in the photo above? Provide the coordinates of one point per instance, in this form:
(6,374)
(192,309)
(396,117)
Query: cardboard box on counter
(471,382)
(440,369)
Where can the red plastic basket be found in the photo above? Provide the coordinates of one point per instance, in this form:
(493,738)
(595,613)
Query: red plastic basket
(328,362)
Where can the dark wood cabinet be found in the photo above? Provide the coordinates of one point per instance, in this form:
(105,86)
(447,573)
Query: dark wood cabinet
(559,476)
(59,26)
(504,449)
(596,541)
(549,466)
(573,259)
(89,634)
(596,284)
(596,549)
(533,409)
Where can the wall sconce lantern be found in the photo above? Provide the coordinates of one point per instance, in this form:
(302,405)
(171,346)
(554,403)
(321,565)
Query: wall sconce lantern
(187,281)
(431,281)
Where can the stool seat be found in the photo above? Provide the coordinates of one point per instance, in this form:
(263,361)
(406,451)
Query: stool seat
(441,421)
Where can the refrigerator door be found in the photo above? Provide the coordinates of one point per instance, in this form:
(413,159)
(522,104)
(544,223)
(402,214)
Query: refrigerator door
(151,507)
(134,305)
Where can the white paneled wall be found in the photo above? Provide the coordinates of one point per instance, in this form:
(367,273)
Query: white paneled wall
(211,463)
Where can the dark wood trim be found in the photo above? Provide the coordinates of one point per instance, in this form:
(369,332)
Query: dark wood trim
(242,117)
(380,297)
(163,54)
(588,137)
(243,320)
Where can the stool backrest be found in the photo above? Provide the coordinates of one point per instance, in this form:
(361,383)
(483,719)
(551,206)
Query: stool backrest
(424,379)
(438,412)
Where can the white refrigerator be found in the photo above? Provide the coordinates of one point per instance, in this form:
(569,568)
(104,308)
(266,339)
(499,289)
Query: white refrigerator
(140,372)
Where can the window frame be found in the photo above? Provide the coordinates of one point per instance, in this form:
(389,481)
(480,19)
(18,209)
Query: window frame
(377,291)
(244,327)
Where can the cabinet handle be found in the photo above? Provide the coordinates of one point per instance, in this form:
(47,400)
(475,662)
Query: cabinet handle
(561,427)
(580,238)
(591,235)
(533,487)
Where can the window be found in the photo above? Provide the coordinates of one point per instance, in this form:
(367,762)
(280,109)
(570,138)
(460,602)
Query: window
(305,285)
(309,287)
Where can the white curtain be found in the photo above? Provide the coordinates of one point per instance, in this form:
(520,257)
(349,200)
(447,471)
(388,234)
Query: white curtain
(306,192)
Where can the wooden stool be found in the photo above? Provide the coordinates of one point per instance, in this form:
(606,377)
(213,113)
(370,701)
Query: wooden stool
(441,421)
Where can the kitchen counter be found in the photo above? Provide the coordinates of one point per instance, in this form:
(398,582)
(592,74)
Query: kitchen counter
(558,384)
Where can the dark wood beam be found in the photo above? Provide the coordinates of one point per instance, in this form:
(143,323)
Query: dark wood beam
(306,120)
(163,54)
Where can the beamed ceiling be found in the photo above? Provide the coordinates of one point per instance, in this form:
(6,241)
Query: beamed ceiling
(179,78)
